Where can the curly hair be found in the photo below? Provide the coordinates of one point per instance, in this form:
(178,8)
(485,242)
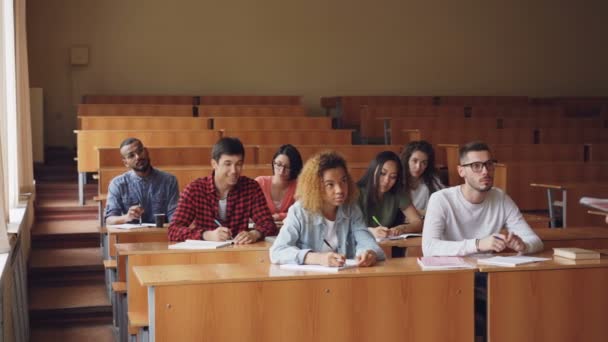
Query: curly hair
(309,190)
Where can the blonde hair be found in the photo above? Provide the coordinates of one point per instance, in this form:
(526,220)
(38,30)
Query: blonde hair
(309,190)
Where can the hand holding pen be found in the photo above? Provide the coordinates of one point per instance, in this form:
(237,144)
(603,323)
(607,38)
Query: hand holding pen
(380,231)
(135,212)
(494,242)
(220,233)
(332,258)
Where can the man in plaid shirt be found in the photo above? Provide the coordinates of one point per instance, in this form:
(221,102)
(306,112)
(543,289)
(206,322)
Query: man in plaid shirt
(218,207)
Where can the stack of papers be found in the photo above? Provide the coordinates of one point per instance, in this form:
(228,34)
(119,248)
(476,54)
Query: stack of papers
(442,263)
(200,244)
(510,261)
(131,225)
(350,263)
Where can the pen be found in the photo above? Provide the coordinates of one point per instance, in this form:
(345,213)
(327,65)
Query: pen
(139,206)
(328,245)
(217,222)
(376,220)
(499,238)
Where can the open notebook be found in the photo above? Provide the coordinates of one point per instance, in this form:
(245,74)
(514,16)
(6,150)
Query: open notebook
(442,263)
(595,203)
(200,244)
(350,263)
(509,261)
(131,225)
(399,237)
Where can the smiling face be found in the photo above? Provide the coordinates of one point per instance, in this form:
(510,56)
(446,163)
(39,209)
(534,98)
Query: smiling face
(389,173)
(418,163)
(335,186)
(228,169)
(481,181)
(135,156)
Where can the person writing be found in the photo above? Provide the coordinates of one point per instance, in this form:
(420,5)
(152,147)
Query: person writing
(325,226)
(382,198)
(218,207)
(280,188)
(468,218)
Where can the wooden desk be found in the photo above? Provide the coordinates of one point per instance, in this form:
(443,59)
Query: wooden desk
(147,234)
(582,237)
(158,253)
(232,302)
(557,300)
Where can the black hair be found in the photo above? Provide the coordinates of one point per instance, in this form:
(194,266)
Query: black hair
(295,160)
(130,141)
(473,146)
(370,179)
(227,146)
(429,176)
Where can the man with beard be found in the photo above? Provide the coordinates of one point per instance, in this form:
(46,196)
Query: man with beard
(218,207)
(469,218)
(137,195)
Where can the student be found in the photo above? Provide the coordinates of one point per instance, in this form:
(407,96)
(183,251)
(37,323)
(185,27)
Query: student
(325,225)
(140,193)
(421,179)
(382,197)
(468,218)
(280,188)
(218,207)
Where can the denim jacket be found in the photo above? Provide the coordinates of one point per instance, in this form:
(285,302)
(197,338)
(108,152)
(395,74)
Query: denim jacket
(303,232)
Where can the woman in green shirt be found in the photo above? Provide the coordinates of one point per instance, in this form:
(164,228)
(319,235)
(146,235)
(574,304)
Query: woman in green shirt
(382,196)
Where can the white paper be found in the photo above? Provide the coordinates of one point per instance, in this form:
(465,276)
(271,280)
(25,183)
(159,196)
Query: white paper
(200,244)
(350,263)
(131,225)
(510,261)
(442,263)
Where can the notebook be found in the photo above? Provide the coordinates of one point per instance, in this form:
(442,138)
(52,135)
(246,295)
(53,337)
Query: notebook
(200,244)
(595,203)
(442,263)
(576,253)
(350,263)
(131,225)
(510,261)
(399,237)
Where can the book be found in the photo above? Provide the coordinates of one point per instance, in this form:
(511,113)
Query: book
(350,263)
(131,225)
(576,253)
(510,261)
(595,203)
(200,244)
(442,263)
(399,237)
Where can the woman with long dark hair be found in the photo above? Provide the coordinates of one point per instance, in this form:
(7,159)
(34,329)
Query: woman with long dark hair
(421,179)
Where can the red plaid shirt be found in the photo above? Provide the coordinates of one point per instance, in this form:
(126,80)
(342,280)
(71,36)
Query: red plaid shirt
(198,207)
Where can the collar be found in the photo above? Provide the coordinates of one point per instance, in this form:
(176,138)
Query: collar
(209,184)
(340,215)
(134,175)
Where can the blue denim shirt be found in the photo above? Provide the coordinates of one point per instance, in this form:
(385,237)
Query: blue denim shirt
(157,194)
(303,232)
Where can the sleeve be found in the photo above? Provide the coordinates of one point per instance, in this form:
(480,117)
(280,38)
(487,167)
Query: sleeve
(435,224)
(114,203)
(173,196)
(284,249)
(184,215)
(363,238)
(405,200)
(515,223)
(260,214)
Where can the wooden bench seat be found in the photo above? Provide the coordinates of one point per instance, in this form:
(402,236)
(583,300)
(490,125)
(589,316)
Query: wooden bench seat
(294,137)
(142,122)
(135,110)
(352,153)
(271,123)
(140,99)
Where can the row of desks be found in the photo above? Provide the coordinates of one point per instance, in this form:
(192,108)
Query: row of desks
(132,255)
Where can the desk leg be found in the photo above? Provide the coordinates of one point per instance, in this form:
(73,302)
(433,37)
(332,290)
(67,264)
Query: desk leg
(551,211)
(150,335)
(564,207)
(123,328)
(81,180)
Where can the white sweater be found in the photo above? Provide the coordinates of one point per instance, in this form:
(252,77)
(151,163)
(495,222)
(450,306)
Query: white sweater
(452,223)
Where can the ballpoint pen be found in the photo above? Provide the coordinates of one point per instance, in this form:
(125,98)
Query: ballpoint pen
(376,220)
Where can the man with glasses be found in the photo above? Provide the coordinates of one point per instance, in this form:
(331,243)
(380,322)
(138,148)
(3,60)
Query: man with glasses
(469,218)
(138,195)
(218,207)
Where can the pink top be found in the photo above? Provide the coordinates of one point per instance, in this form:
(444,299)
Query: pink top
(265,183)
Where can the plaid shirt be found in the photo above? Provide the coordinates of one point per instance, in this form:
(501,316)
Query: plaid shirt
(198,207)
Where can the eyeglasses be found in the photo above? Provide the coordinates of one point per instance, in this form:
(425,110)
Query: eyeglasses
(135,153)
(478,166)
(280,166)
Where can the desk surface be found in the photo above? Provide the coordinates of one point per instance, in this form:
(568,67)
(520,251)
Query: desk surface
(577,233)
(163,248)
(150,230)
(556,263)
(233,273)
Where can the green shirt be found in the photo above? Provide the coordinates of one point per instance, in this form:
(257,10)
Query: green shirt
(386,211)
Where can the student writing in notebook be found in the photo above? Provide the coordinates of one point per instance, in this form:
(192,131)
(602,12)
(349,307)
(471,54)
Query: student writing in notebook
(280,188)
(468,218)
(218,207)
(325,226)
(382,196)
(143,191)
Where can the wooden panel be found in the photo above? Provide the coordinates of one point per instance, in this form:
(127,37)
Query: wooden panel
(88,141)
(598,152)
(251,100)
(573,135)
(267,123)
(350,106)
(144,123)
(484,100)
(352,153)
(251,110)
(139,99)
(294,137)
(466,134)
(552,305)
(549,122)
(171,156)
(442,123)
(134,110)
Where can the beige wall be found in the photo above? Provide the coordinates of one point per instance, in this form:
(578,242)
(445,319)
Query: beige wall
(313,48)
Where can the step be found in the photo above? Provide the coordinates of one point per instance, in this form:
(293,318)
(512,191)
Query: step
(81,332)
(69,303)
(65,260)
(65,234)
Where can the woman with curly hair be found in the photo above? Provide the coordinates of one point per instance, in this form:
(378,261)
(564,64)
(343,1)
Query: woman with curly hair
(383,199)
(421,179)
(325,226)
